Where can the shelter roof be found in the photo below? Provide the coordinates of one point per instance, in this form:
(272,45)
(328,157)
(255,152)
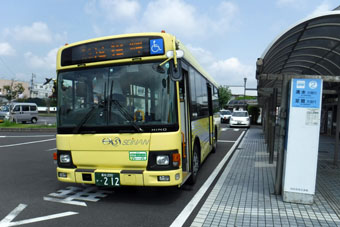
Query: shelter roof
(310,47)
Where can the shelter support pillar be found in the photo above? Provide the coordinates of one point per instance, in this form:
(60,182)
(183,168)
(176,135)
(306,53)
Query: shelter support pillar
(269,125)
(336,151)
(267,122)
(273,104)
(282,134)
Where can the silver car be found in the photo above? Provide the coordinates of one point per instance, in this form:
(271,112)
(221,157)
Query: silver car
(225,115)
(240,119)
(24,112)
(19,112)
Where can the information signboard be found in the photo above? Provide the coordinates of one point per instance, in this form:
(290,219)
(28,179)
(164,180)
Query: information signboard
(301,151)
(306,93)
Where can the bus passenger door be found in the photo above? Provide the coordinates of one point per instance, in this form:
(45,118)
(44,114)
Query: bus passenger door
(211,117)
(183,96)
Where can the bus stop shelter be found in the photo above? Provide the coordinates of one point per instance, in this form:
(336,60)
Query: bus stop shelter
(309,49)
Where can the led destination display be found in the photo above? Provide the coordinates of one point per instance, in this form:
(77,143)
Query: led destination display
(112,49)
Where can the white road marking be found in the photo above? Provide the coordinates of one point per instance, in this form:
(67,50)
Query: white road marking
(226,141)
(71,194)
(19,144)
(26,136)
(56,200)
(7,221)
(183,216)
(52,149)
(224,129)
(12,215)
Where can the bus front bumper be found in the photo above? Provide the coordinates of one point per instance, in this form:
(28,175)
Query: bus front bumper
(126,177)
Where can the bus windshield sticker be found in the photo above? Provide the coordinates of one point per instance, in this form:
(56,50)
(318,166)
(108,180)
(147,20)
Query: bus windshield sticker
(156,46)
(137,156)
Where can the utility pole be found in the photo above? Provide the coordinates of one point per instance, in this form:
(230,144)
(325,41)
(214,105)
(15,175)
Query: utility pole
(32,85)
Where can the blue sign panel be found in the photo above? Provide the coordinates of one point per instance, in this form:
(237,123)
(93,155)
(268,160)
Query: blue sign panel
(306,93)
(156,46)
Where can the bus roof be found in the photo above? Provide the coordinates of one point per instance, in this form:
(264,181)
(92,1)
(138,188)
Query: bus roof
(168,45)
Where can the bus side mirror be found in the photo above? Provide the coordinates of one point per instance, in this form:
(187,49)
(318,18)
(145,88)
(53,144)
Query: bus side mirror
(176,73)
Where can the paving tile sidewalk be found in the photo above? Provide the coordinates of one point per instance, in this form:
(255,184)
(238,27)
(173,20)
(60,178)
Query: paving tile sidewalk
(243,195)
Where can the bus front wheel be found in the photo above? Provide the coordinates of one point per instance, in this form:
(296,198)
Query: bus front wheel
(195,164)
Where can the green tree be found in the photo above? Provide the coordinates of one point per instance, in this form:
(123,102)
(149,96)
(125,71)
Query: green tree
(224,94)
(13,91)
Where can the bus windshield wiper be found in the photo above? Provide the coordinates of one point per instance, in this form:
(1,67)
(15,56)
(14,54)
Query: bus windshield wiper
(122,110)
(127,116)
(86,117)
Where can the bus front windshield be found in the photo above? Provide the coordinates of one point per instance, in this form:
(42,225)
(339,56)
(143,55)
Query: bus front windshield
(138,97)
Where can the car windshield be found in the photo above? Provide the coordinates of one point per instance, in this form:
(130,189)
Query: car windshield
(116,98)
(225,112)
(240,114)
(4,108)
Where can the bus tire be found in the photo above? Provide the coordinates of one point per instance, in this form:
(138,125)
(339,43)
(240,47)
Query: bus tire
(195,163)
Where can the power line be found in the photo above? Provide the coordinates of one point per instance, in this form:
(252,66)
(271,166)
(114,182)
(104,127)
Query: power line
(8,68)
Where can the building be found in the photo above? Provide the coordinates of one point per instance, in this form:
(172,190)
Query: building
(12,83)
(42,91)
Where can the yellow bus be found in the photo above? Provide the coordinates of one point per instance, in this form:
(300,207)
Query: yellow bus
(133,109)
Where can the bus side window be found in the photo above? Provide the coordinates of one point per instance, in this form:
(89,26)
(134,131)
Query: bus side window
(192,92)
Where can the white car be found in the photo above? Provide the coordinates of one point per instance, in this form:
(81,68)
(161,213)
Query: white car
(225,115)
(240,119)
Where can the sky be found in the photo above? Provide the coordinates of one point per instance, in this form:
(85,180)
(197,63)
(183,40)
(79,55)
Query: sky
(226,36)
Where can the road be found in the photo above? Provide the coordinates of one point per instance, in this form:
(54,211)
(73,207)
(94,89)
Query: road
(46,120)
(31,195)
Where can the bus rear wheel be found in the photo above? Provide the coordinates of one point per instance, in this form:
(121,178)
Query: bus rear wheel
(195,164)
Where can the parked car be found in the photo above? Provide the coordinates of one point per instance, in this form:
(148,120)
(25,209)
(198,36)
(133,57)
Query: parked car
(20,112)
(240,119)
(4,113)
(2,118)
(225,115)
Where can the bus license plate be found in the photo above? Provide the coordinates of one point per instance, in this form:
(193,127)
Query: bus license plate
(107,179)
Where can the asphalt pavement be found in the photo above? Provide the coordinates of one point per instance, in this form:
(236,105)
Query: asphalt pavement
(46,120)
(30,193)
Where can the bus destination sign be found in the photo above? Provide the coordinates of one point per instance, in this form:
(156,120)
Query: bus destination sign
(112,49)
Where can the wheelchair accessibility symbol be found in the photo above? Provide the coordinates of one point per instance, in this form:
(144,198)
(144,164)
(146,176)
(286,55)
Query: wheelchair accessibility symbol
(156,46)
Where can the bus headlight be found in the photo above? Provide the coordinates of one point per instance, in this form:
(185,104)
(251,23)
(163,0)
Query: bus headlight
(65,158)
(162,160)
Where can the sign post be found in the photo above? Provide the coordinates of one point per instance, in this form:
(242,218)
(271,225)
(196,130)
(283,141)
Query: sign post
(302,141)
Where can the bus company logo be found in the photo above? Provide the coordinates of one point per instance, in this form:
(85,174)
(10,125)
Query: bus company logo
(127,142)
(114,142)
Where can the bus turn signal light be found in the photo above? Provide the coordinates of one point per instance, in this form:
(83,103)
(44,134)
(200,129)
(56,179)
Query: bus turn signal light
(55,157)
(176,160)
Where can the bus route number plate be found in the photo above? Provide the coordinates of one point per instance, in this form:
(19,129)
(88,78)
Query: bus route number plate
(107,179)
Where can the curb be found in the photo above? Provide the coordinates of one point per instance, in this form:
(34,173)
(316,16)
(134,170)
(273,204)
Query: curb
(28,130)
(189,208)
